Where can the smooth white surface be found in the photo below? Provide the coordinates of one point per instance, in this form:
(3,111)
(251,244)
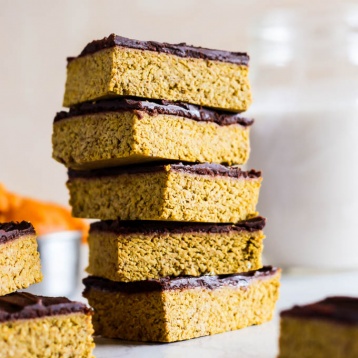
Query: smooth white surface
(255,342)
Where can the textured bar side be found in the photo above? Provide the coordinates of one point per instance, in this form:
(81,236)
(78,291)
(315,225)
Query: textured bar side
(19,264)
(112,139)
(305,337)
(136,257)
(169,195)
(176,315)
(122,71)
(55,336)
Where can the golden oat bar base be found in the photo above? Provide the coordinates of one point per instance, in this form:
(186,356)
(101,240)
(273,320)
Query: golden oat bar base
(19,264)
(123,71)
(317,339)
(120,138)
(40,326)
(328,328)
(67,335)
(181,313)
(178,250)
(167,194)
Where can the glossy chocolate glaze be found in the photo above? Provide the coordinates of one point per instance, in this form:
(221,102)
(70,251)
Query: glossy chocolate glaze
(215,170)
(154,167)
(23,305)
(181,49)
(339,308)
(241,280)
(174,227)
(154,108)
(13,230)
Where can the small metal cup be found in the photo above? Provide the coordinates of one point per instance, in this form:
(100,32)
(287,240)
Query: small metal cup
(60,258)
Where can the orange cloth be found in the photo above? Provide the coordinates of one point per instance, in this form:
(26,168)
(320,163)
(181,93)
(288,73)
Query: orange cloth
(45,217)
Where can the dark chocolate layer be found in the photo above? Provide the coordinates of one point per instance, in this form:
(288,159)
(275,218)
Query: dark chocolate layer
(181,50)
(215,170)
(174,227)
(13,230)
(198,169)
(154,108)
(23,305)
(339,309)
(241,280)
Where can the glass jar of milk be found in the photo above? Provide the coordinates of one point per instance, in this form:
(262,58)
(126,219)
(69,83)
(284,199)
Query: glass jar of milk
(304,73)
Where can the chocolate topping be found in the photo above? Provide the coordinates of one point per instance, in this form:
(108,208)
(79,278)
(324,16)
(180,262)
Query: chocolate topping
(181,50)
(154,108)
(215,170)
(240,280)
(198,169)
(339,309)
(23,305)
(174,227)
(13,230)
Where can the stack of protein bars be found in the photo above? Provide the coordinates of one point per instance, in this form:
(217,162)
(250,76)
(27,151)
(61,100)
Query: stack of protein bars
(177,253)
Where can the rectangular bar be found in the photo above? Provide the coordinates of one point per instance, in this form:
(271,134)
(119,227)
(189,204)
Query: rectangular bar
(37,326)
(140,250)
(169,310)
(19,259)
(174,192)
(328,328)
(117,66)
(128,131)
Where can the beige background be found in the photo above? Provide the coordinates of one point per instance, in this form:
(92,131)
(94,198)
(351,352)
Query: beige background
(304,74)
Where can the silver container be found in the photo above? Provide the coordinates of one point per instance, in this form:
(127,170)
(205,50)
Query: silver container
(60,259)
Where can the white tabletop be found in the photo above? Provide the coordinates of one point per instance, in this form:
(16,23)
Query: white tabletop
(256,342)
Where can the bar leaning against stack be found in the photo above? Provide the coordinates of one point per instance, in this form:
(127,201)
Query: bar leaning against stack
(151,130)
(19,259)
(36,326)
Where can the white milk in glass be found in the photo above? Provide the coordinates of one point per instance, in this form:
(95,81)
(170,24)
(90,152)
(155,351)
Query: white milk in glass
(304,71)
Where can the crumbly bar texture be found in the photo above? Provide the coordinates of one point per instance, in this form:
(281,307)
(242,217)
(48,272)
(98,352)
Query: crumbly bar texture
(38,326)
(19,259)
(317,339)
(181,313)
(56,336)
(328,328)
(168,193)
(123,71)
(178,250)
(121,138)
